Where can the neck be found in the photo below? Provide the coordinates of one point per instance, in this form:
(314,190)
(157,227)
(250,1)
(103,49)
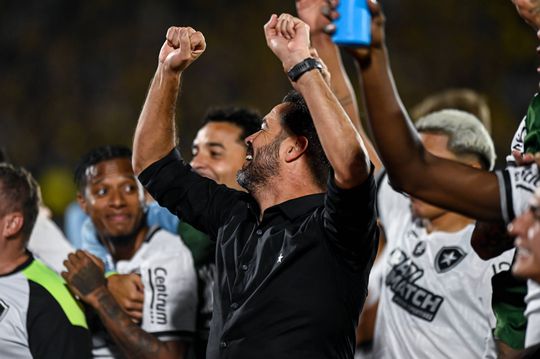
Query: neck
(12,255)
(125,250)
(448,222)
(281,189)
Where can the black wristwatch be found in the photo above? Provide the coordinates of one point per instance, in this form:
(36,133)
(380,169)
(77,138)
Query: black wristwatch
(302,67)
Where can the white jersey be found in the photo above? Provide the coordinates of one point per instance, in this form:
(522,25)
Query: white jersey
(170,289)
(436,292)
(49,244)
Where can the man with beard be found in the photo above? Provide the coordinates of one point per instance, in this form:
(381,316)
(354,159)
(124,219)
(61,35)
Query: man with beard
(294,253)
(111,196)
(218,152)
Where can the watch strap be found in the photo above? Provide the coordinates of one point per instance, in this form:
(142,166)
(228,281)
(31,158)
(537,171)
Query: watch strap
(302,67)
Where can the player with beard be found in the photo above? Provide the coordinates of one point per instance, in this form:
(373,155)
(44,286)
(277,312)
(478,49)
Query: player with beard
(294,253)
(218,152)
(111,196)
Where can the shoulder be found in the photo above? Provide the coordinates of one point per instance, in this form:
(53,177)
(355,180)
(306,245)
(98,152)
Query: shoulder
(48,287)
(56,323)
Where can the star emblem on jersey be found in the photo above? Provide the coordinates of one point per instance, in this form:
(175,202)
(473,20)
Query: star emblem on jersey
(3,309)
(419,249)
(448,258)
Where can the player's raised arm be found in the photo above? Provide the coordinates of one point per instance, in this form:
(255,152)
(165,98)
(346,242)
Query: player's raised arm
(155,133)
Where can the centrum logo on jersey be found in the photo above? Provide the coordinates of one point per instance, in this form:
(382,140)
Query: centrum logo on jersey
(3,309)
(414,299)
(158,304)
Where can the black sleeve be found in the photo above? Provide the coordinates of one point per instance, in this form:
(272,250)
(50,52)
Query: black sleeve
(197,200)
(50,334)
(350,221)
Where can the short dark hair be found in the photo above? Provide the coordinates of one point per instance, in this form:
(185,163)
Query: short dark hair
(298,120)
(248,120)
(95,156)
(19,191)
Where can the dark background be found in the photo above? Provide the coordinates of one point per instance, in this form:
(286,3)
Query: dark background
(74,74)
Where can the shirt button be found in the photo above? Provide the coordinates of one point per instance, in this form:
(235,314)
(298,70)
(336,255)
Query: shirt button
(244,267)
(223,344)
(259,232)
(234,306)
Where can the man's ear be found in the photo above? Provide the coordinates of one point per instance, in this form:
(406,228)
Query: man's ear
(296,148)
(13,223)
(81,199)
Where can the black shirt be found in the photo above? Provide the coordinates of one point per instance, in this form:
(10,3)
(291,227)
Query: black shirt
(289,286)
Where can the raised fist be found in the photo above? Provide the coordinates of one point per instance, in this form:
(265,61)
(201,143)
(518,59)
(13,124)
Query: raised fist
(182,46)
(288,38)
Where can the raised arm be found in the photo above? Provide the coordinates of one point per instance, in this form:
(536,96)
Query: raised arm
(288,38)
(155,134)
(411,168)
(312,13)
(87,281)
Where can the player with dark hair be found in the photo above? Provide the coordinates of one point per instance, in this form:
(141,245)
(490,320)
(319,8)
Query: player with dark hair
(112,197)
(39,318)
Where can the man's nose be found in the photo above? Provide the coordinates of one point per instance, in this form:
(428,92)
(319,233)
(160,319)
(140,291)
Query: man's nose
(117,199)
(519,225)
(198,161)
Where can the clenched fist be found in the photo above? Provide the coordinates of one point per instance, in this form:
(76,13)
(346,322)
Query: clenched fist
(182,46)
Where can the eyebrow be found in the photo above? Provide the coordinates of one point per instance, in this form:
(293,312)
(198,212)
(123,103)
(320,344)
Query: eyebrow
(101,179)
(209,144)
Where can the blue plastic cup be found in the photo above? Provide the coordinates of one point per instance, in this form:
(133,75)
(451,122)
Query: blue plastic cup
(353,27)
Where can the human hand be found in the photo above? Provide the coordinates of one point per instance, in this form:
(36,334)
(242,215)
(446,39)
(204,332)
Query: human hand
(84,276)
(128,291)
(529,10)
(288,38)
(182,46)
(314,14)
(362,54)
(525,159)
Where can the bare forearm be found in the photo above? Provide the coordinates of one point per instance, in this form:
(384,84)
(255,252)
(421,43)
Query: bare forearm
(342,87)
(155,133)
(397,141)
(445,183)
(339,138)
(130,338)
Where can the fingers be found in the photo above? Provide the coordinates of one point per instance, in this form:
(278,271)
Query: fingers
(96,261)
(185,39)
(198,42)
(375,9)
(137,281)
(523,159)
(284,27)
(136,316)
(287,25)
(270,26)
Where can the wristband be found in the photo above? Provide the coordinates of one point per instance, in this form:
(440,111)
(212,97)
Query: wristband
(302,67)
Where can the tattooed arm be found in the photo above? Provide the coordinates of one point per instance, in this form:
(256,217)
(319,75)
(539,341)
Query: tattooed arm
(86,280)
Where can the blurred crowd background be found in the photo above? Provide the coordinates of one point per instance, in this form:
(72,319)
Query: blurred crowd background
(74,74)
